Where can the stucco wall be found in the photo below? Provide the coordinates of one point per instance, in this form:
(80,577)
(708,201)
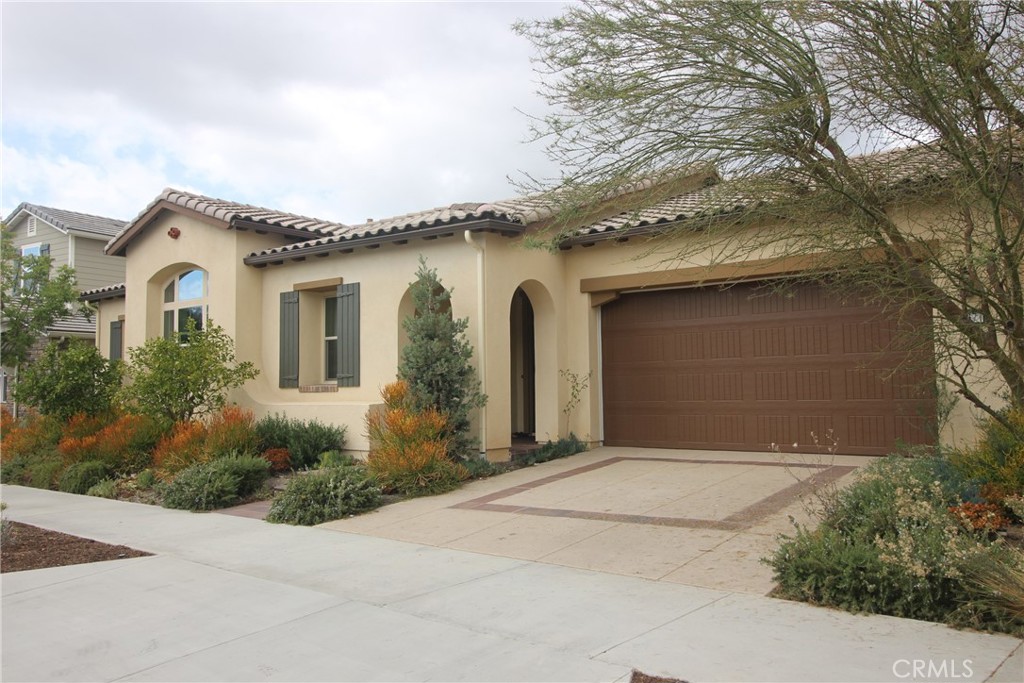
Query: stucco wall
(484,272)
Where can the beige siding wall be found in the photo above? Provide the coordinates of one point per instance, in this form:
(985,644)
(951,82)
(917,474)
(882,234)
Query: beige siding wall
(94,268)
(45,234)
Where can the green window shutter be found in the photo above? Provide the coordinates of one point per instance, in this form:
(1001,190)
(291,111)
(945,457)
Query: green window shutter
(289,369)
(44,249)
(116,340)
(348,335)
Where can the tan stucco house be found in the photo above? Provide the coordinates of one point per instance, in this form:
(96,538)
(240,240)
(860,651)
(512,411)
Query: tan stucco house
(674,360)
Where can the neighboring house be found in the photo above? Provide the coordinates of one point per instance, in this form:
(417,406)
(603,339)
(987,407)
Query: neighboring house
(70,239)
(673,362)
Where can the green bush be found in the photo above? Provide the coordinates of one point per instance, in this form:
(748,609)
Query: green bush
(887,544)
(274,431)
(199,487)
(312,439)
(70,378)
(329,459)
(553,450)
(186,376)
(251,471)
(305,441)
(81,476)
(103,489)
(146,479)
(45,473)
(322,496)
(15,470)
(997,461)
(216,484)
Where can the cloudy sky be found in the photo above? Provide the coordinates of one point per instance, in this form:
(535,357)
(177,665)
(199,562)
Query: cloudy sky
(343,111)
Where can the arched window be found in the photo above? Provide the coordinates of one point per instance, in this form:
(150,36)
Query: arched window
(185,298)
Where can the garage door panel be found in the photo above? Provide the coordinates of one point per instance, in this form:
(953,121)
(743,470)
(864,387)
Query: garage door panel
(748,366)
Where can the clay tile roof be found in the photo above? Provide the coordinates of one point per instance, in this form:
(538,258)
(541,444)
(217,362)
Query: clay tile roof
(71,220)
(227,211)
(723,198)
(100,293)
(515,212)
(891,170)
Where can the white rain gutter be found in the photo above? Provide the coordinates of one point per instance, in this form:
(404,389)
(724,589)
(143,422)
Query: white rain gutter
(481,331)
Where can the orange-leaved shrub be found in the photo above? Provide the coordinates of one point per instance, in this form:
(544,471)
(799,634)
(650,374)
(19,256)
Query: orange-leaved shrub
(408,452)
(280,459)
(231,431)
(184,446)
(123,444)
(32,435)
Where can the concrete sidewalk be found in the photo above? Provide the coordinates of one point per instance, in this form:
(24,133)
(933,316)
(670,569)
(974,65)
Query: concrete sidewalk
(230,598)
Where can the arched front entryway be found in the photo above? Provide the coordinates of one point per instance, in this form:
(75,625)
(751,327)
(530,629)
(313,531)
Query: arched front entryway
(522,344)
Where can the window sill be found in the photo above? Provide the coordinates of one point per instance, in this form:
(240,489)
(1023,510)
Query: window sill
(318,389)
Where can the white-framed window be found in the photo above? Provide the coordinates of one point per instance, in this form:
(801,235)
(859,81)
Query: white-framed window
(30,226)
(186,298)
(31,250)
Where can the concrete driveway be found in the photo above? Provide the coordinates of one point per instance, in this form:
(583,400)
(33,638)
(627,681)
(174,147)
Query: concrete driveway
(701,518)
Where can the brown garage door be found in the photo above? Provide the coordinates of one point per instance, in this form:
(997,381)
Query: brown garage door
(742,367)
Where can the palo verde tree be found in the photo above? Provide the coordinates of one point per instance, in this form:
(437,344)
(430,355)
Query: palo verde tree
(881,139)
(32,297)
(436,362)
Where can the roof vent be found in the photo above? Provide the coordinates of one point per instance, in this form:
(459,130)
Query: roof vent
(31,226)
(369,220)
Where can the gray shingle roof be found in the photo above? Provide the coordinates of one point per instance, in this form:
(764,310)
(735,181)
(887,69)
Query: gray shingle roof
(78,325)
(71,220)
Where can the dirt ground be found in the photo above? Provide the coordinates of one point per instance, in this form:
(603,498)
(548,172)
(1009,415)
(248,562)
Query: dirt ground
(29,547)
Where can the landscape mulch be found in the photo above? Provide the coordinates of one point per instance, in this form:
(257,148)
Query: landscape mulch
(30,547)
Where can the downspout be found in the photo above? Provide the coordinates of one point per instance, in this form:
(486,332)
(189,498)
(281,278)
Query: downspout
(481,332)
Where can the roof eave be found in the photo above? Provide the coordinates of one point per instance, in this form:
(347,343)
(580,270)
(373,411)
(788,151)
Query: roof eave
(260,227)
(505,229)
(118,245)
(118,293)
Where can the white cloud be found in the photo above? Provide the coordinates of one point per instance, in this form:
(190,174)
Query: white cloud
(344,111)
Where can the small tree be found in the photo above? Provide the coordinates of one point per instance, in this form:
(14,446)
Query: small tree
(185,376)
(436,362)
(31,299)
(70,379)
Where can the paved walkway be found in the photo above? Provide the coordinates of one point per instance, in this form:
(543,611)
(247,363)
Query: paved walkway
(231,598)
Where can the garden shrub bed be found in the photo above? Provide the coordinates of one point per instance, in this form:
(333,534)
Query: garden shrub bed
(899,542)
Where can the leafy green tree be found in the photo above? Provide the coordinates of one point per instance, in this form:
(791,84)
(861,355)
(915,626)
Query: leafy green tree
(69,379)
(32,297)
(436,362)
(185,376)
(881,139)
